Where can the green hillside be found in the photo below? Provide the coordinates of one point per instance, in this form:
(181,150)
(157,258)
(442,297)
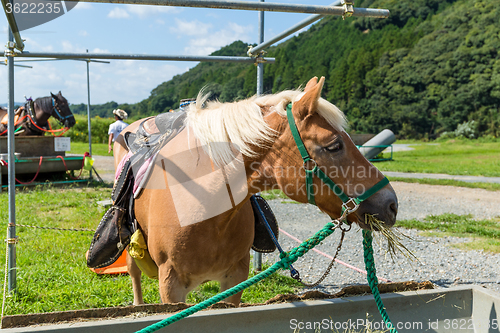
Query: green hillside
(431,66)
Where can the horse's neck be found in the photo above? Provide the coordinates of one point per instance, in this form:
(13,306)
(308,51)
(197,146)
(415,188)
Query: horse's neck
(261,170)
(43,110)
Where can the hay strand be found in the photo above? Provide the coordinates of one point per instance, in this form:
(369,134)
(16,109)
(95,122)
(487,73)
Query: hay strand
(394,237)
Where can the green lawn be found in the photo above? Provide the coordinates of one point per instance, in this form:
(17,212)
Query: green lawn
(454,157)
(484,234)
(97,148)
(52,274)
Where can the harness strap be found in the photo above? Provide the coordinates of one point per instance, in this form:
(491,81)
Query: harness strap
(315,170)
(56,110)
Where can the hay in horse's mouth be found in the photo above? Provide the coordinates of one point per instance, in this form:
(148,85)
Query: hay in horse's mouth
(393,236)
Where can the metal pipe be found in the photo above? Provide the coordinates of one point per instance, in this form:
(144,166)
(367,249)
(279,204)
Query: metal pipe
(13,24)
(54,59)
(88,113)
(260,66)
(257,256)
(254,51)
(11,234)
(249,5)
(27,54)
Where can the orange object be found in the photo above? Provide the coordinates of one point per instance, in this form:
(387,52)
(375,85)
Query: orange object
(118,267)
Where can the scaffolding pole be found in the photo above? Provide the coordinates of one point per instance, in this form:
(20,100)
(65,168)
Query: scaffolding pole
(257,256)
(249,5)
(311,19)
(11,234)
(116,56)
(14,30)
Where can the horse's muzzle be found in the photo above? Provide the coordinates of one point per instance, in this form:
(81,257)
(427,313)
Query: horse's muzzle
(70,122)
(383,206)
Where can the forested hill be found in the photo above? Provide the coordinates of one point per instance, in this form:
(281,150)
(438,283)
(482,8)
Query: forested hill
(431,66)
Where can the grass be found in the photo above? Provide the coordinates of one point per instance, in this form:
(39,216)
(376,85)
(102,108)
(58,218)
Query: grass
(484,234)
(97,148)
(454,157)
(51,270)
(447,182)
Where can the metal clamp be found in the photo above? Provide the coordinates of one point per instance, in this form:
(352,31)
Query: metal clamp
(353,204)
(9,53)
(348,8)
(260,59)
(14,240)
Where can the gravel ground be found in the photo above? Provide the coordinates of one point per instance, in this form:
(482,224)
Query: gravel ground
(439,262)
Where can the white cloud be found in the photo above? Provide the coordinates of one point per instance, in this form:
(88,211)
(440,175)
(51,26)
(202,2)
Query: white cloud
(98,50)
(123,81)
(71,48)
(32,45)
(118,13)
(191,28)
(83,33)
(212,41)
(143,11)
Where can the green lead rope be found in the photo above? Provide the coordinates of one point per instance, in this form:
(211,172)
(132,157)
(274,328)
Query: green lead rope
(287,258)
(371,276)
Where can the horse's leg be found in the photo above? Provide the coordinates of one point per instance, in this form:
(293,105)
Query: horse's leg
(236,274)
(172,290)
(135,276)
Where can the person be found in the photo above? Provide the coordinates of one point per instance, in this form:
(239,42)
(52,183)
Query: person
(116,127)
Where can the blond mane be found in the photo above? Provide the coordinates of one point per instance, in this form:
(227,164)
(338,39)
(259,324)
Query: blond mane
(241,123)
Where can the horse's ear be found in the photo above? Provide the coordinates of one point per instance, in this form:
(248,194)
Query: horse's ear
(59,93)
(51,94)
(312,82)
(308,103)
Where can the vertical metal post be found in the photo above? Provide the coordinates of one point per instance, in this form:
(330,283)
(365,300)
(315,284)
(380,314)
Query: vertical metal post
(11,234)
(257,256)
(88,112)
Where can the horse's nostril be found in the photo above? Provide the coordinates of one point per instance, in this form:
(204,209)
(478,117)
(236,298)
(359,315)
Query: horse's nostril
(393,207)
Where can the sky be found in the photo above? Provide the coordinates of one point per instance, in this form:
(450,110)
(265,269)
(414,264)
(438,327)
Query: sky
(130,29)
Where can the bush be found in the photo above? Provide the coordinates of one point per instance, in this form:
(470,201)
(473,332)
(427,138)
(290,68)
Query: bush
(79,132)
(468,129)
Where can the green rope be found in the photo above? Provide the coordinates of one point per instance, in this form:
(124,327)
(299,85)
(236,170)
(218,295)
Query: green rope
(287,258)
(372,278)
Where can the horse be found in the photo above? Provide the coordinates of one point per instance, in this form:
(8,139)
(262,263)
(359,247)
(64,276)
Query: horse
(193,240)
(32,119)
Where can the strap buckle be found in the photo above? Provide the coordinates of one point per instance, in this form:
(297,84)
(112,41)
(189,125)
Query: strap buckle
(350,206)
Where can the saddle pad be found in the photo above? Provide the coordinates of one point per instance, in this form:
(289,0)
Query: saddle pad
(262,241)
(110,239)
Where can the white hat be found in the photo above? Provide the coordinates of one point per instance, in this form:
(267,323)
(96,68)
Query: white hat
(120,113)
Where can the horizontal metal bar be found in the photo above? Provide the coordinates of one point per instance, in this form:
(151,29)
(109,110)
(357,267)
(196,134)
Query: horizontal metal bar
(249,5)
(311,19)
(137,57)
(13,25)
(54,59)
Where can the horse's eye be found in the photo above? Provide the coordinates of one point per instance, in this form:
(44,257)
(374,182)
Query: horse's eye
(334,147)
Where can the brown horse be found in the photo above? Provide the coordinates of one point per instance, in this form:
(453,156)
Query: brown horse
(33,120)
(194,233)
